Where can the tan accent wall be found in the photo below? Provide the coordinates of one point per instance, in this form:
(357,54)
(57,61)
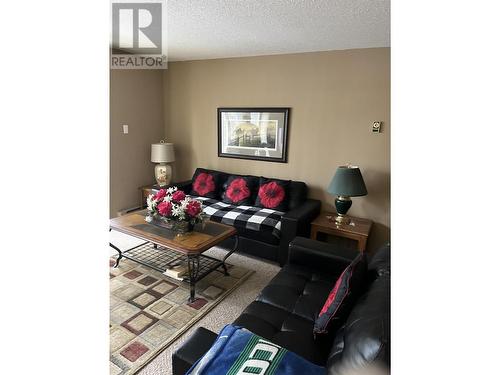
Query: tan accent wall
(136,99)
(334,98)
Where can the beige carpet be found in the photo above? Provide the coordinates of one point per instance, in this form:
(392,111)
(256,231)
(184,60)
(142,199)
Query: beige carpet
(224,313)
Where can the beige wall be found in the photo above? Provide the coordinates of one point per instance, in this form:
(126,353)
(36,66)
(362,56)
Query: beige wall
(334,98)
(136,99)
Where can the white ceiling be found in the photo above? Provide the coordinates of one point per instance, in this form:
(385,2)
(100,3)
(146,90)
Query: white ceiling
(208,29)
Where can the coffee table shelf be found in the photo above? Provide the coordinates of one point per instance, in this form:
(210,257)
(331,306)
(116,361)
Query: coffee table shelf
(160,258)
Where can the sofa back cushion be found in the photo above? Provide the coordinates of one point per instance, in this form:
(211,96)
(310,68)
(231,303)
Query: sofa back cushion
(207,183)
(240,190)
(297,193)
(380,263)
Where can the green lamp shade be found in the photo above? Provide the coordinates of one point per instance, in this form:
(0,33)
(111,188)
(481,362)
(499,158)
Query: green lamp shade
(347,182)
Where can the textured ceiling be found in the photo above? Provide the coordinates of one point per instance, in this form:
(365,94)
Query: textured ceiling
(207,29)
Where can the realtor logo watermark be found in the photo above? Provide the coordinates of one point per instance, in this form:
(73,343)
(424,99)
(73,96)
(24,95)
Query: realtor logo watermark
(138,34)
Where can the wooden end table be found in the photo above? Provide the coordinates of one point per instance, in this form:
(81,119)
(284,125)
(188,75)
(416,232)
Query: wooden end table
(146,191)
(358,229)
(189,247)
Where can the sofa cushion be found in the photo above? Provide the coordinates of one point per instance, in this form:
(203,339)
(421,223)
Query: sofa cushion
(298,290)
(273,194)
(207,183)
(297,193)
(285,310)
(240,190)
(341,298)
(380,263)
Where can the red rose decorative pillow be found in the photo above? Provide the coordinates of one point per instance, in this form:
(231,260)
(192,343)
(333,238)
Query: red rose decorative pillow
(273,194)
(343,295)
(239,190)
(205,183)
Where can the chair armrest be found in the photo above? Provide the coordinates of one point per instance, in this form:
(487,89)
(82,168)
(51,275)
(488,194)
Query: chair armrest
(320,255)
(193,349)
(297,222)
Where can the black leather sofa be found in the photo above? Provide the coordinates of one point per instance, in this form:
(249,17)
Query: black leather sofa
(285,311)
(296,222)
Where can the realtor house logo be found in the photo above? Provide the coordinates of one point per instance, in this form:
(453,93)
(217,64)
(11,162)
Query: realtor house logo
(138,35)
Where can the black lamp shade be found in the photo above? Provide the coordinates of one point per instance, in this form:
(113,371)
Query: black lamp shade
(347,182)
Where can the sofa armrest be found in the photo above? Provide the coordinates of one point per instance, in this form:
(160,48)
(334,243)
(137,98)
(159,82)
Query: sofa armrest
(320,255)
(185,186)
(297,222)
(193,349)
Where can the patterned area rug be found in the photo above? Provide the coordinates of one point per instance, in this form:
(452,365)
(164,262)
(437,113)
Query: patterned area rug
(149,310)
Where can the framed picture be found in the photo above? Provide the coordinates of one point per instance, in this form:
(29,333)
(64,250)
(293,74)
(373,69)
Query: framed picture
(253,133)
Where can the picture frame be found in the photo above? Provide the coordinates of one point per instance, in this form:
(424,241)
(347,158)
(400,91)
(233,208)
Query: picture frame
(253,133)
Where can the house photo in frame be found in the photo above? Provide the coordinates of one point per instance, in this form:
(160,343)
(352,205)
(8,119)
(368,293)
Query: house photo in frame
(253,133)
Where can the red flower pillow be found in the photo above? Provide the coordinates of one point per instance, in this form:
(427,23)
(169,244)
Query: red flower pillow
(273,194)
(343,295)
(205,183)
(238,190)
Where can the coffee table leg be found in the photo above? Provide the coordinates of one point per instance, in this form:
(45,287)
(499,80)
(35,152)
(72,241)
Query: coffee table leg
(235,247)
(225,269)
(193,268)
(119,254)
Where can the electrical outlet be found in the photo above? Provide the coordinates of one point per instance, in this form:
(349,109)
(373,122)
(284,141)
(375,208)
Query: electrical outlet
(376,127)
(125,129)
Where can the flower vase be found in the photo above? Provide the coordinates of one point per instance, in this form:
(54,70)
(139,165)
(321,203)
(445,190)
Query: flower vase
(160,221)
(183,227)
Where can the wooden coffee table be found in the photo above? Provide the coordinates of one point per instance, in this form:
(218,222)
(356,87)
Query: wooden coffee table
(189,246)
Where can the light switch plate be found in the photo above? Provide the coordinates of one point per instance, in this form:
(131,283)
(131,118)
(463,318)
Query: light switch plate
(376,127)
(125,129)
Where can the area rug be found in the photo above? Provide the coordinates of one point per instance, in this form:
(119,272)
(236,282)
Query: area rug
(149,310)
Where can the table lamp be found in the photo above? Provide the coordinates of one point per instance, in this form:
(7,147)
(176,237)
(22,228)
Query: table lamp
(163,153)
(347,182)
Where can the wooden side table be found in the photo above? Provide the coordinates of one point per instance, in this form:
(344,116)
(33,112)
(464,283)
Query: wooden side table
(145,192)
(358,229)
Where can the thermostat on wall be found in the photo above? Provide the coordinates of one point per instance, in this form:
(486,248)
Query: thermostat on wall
(377,125)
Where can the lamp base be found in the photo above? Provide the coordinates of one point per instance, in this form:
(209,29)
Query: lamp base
(342,204)
(163,174)
(342,219)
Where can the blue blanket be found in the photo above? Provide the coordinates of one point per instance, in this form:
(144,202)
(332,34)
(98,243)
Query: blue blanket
(237,351)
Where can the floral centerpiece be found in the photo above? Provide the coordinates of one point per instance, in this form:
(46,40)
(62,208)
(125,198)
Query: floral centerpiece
(171,208)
